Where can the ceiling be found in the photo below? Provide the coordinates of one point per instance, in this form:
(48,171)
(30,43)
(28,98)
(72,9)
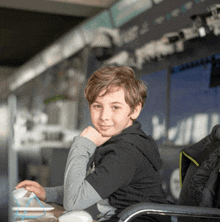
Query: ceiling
(29,26)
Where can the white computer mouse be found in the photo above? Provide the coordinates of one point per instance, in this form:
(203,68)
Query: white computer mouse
(19,193)
(76,216)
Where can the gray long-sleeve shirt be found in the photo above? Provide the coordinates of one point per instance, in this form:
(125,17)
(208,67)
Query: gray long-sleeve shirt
(77,193)
(126,172)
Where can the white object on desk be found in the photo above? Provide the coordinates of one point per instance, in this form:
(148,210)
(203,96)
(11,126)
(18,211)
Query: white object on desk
(33,205)
(19,193)
(76,216)
(23,196)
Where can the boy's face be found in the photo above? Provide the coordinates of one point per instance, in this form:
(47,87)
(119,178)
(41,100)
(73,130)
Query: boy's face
(110,114)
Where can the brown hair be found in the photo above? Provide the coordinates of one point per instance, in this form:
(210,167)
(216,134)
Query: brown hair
(106,78)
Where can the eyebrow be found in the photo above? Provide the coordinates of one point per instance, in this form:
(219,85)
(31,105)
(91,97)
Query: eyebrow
(110,103)
(117,103)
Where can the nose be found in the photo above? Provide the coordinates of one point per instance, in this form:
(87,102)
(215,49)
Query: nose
(105,114)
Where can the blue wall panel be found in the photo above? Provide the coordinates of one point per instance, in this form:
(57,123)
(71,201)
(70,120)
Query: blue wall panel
(153,114)
(194,106)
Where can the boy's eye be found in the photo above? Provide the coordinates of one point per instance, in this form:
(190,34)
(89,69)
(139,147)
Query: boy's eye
(96,106)
(115,107)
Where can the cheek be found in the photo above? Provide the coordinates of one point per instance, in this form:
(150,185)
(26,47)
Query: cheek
(94,115)
(120,118)
(125,114)
(93,120)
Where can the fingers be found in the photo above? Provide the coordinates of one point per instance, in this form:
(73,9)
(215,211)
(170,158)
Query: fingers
(93,135)
(26,183)
(34,187)
(90,133)
(40,192)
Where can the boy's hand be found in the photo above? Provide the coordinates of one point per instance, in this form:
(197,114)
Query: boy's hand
(93,135)
(33,186)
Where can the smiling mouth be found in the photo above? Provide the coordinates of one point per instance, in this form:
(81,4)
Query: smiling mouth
(105,127)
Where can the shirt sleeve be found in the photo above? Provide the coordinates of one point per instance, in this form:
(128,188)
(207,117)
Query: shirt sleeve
(78,193)
(54,194)
(115,170)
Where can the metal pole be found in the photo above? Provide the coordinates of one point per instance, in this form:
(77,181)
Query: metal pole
(12,154)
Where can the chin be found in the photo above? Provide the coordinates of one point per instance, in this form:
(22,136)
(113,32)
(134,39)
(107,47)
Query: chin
(106,134)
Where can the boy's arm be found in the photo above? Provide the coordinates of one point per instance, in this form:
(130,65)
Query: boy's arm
(54,194)
(116,169)
(78,193)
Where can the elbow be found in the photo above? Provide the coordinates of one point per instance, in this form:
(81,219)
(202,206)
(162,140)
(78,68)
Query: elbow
(70,203)
(68,207)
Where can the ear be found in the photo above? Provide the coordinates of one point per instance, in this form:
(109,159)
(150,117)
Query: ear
(136,112)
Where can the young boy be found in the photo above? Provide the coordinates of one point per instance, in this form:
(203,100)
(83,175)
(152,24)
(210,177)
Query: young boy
(125,161)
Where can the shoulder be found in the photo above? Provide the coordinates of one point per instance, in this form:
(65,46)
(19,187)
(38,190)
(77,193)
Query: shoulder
(120,148)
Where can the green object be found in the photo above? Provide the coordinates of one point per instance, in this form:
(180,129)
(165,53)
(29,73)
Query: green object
(184,155)
(55,98)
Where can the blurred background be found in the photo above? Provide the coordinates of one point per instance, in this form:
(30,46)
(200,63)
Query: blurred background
(50,48)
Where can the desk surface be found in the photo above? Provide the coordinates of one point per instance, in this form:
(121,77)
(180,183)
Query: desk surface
(58,210)
(51,216)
